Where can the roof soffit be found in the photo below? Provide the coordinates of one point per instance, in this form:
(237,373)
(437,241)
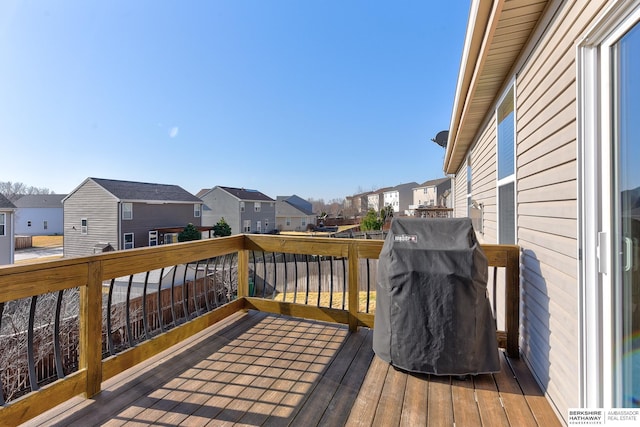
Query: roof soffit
(496,38)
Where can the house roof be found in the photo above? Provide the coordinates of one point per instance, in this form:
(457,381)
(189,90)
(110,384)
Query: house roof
(433,182)
(297,203)
(6,203)
(143,191)
(497,33)
(247,194)
(40,201)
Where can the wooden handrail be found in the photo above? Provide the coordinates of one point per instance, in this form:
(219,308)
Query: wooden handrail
(89,273)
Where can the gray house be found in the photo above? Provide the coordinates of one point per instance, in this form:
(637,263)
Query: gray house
(400,197)
(7,243)
(39,215)
(293,213)
(246,211)
(106,214)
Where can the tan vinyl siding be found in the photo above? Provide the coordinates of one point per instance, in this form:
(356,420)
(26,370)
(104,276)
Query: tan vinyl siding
(547,205)
(93,202)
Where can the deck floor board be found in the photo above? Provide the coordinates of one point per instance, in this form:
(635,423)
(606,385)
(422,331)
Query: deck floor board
(258,369)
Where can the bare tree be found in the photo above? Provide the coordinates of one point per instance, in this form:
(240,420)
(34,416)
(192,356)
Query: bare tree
(14,190)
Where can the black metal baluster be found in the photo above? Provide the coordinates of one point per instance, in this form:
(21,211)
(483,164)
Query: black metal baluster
(231,261)
(160,320)
(33,380)
(331,259)
(174,318)
(185,294)
(344,282)
(215,282)
(205,285)
(128,312)
(145,323)
(253,255)
(264,275)
(110,345)
(368,287)
(306,294)
(286,278)
(275,274)
(318,258)
(57,348)
(295,267)
(195,289)
(222,275)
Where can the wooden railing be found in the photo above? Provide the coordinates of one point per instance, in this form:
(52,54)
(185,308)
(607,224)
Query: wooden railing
(90,274)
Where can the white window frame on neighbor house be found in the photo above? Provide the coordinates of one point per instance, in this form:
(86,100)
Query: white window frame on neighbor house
(45,224)
(196,210)
(256,206)
(241,206)
(509,179)
(259,226)
(288,221)
(153,238)
(84,226)
(127,211)
(303,221)
(595,181)
(125,243)
(3,223)
(246,226)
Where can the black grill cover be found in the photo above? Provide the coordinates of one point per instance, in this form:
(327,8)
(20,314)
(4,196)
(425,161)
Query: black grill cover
(432,311)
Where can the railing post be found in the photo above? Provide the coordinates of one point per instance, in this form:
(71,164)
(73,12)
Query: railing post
(354,291)
(243,273)
(91,328)
(512,296)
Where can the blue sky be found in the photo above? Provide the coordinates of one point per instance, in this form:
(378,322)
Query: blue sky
(316,98)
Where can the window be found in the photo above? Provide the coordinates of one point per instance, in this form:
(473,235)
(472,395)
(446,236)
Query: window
(127,211)
(153,238)
(84,227)
(506,170)
(28,223)
(258,226)
(196,210)
(241,206)
(3,219)
(288,221)
(303,222)
(128,240)
(266,224)
(45,225)
(256,207)
(170,238)
(246,226)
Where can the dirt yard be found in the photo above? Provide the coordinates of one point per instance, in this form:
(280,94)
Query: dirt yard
(46,241)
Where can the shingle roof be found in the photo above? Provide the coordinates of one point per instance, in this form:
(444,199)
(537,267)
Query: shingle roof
(40,201)
(434,182)
(129,190)
(246,194)
(6,203)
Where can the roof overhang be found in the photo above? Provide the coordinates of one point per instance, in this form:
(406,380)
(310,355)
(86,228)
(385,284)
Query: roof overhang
(497,33)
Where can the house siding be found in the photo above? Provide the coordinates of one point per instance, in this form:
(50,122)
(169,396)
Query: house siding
(93,202)
(148,216)
(37,216)
(219,204)
(547,199)
(7,239)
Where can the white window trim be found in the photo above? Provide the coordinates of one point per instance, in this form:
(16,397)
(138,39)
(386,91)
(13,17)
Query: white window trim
(84,229)
(241,206)
(257,206)
(124,211)
(124,240)
(511,178)
(3,223)
(197,210)
(153,236)
(594,173)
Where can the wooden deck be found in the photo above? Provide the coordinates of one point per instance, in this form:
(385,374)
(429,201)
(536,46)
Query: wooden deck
(258,369)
